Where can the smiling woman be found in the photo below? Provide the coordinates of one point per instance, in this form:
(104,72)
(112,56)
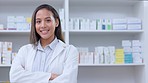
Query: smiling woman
(45,18)
(47,59)
(45,26)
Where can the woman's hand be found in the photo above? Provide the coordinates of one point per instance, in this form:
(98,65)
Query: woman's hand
(53,76)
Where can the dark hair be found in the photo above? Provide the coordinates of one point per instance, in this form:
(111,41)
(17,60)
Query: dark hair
(34,36)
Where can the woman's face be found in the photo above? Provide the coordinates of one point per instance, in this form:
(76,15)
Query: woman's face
(45,24)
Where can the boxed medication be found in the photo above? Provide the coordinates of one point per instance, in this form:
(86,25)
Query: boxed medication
(11,26)
(134,21)
(137,58)
(92,25)
(13,56)
(28,20)
(100,50)
(111,49)
(108,24)
(128,61)
(136,49)
(106,58)
(136,43)
(71,24)
(126,43)
(76,24)
(6,58)
(86,58)
(106,55)
(11,19)
(86,24)
(82,26)
(119,26)
(128,58)
(4,47)
(1,27)
(90,57)
(101,58)
(20,19)
(96,58)
(98,24)
(105,50)
(112,58)
(119,21)
(119,53)
(103,21)
(134,24)
(1,46)
(119,60)
(127,49)
(9,46)
(134,27)
(82,58)
(19,26)
(128,55)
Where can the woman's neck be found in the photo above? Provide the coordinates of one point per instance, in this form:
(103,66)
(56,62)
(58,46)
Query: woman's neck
(45,42)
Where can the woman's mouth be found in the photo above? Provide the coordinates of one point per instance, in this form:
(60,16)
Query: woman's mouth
(44,31)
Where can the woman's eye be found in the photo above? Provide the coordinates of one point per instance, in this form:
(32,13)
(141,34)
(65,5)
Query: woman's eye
(38,22)
(48,20)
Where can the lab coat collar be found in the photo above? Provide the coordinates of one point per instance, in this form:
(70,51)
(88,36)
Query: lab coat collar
(58,49)
(51,45)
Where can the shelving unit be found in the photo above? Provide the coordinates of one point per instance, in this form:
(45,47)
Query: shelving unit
(91,9)
(97,65)
(109,65)
(127,32)
(5,66)
(108,9)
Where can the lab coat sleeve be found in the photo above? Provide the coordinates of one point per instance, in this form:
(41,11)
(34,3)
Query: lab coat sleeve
(18,73)
(70,71)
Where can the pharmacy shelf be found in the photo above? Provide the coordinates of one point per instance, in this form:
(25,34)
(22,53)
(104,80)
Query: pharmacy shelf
(129,32)
(14,32)
(97,65)
(5,65)
(108,65)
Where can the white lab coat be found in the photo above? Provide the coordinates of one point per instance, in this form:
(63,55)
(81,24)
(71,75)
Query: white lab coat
(64,62)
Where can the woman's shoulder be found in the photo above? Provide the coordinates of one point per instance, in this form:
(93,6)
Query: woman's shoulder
(26,47)
(67,46)
(72,47)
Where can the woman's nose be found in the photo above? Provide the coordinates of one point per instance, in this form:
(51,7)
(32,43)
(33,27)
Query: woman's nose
(43,24)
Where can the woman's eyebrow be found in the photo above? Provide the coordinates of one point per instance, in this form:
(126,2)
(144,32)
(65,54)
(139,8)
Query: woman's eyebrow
(45,18)
(37,18)
(48,17)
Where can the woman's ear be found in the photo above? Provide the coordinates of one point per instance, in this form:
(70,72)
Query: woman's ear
(57,22)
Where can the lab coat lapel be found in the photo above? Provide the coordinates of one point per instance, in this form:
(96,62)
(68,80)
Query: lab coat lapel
(58,49)
(31,58)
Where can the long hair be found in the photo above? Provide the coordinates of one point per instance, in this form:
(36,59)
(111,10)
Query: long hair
(34,36)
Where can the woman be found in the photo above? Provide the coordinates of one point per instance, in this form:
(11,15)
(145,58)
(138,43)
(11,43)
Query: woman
(47,59)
